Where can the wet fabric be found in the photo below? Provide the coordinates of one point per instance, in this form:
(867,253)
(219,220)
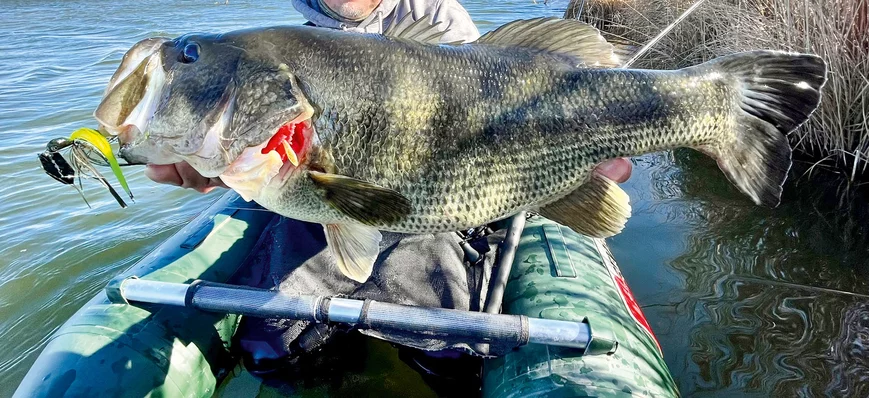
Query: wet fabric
(421,270)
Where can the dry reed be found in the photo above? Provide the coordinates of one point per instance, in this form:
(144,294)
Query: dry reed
(837,136)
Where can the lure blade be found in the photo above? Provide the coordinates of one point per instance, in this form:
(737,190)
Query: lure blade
(56,167)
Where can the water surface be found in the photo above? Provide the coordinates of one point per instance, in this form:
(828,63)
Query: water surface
(745,300)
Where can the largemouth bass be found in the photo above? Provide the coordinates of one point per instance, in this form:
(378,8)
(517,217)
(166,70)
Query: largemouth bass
(363,133)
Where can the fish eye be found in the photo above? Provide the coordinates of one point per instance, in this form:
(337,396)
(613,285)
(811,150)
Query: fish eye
(189,54)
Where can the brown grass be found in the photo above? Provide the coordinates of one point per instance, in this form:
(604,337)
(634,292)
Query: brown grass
(837,136)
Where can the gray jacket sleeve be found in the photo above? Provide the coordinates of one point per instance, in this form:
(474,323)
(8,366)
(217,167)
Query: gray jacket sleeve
(457,20)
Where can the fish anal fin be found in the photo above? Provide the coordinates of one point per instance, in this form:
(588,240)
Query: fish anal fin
(363,201)
(598,208)
(562,36)
(354,248)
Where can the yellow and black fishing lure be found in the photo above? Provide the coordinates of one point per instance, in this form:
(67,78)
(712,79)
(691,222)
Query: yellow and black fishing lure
(86,148)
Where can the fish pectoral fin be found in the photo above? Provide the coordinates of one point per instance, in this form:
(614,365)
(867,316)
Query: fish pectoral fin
(363,201)
(355,249)
(561,36)
(598,208)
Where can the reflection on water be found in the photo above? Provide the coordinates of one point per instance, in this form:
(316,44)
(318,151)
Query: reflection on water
(56,57)
(769,301)
(55,254)
(744,300)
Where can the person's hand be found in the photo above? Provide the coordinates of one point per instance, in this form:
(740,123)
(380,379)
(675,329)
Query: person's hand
(182,175)
(618,170)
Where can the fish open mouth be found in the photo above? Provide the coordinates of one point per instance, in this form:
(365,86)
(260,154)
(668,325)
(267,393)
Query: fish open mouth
(284,152)
(134,91)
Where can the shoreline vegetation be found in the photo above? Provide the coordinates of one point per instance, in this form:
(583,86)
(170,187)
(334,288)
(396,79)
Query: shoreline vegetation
(834,144)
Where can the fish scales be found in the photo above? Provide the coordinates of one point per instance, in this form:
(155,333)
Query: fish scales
(465,132)
(362,133)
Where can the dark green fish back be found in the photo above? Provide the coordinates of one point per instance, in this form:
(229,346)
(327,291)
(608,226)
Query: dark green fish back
(415,121)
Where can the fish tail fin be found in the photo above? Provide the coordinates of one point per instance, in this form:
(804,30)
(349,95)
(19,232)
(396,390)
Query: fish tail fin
(777,92)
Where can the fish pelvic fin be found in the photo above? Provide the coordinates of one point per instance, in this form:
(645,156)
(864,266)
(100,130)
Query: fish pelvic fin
(354,248)
(777,92)
(598,208)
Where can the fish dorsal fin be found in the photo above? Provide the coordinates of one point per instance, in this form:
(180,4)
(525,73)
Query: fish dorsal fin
(421,30)
(562,36)
(598,208)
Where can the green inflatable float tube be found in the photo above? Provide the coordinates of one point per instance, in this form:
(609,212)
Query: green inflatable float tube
(148,350)
(559,274)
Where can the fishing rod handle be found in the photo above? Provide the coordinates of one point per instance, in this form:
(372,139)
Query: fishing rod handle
(466,326)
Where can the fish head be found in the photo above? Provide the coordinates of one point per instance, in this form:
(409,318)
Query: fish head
(210,101)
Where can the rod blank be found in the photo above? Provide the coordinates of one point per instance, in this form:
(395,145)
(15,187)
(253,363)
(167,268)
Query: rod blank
(467,326)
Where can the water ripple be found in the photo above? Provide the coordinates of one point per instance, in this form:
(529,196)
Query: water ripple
(772,299)
(771,302)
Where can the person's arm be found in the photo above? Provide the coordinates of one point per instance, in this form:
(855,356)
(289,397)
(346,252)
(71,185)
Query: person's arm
(455,18)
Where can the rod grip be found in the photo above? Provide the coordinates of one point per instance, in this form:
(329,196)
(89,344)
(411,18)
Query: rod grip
(260,303)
